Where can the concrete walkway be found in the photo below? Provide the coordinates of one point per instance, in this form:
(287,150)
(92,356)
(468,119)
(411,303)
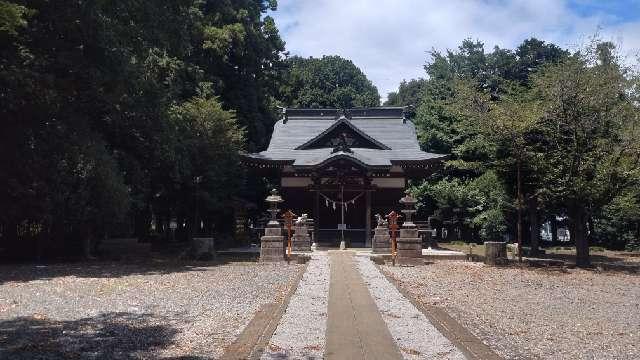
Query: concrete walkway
(355,328)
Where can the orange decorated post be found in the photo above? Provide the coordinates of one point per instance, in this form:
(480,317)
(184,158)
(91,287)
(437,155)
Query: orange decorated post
(288,223)
(393,227)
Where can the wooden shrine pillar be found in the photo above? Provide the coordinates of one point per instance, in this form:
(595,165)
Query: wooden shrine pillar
(367,226)
(316,217)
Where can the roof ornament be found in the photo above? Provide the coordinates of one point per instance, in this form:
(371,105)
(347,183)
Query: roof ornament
(343,113)
(408,112)
(342,143)
(285,116)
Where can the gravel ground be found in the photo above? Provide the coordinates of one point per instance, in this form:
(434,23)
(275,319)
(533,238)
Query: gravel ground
(301,331)
(415,336)
(120,311)
(529,314)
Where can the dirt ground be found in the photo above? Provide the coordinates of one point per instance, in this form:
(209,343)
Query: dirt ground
(129,310)
(535,314)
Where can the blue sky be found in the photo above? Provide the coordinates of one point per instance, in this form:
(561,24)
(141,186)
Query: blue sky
(390,39)
(619,11)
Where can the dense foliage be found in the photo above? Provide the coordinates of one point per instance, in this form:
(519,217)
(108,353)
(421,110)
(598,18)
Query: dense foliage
(330,81)
(409,93)
(113,110)
(120,116)
(551,129)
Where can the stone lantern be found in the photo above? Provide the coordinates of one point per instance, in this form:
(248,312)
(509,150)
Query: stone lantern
(272,243)
(409,210)
(409,243)
(273,200)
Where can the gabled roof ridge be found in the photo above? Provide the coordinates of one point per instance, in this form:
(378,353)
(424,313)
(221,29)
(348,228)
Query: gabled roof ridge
(342,120)
(364,112)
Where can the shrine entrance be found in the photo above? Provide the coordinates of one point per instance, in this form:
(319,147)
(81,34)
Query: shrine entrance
(338,198)
(343,166)
(342,207)
(342,197)
(343,202)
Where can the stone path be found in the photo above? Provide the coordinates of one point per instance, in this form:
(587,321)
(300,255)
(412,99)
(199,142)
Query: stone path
(344,308)
(355,329)
(414,333)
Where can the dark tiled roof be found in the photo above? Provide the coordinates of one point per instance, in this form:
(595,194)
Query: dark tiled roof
(385,125)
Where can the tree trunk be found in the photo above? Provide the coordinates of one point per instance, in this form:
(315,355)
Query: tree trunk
(554,230)
(534,223)
(42,239)
(10,238)
(519,234)
(87,241)
(578,219)
(142,220)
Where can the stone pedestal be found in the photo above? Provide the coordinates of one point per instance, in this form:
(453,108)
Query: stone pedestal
(381,241)
(311,230)
(495,253)
(409,251)
(301,241)
(409,244)
(272,244)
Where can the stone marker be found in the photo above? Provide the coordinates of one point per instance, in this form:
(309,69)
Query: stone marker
(381,238)
(272,243)
(495,253)
(301,240)
(409,250)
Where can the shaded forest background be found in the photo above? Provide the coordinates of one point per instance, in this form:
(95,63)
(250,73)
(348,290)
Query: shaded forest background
(119,113)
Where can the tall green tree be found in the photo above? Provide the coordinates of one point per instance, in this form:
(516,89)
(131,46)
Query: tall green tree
(509,126)
(239,49)
(330,81)
(90,97)
(409,93)
(458,114)
(588,105)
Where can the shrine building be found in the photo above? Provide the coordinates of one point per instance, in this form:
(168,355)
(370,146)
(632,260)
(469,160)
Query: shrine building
(341,167)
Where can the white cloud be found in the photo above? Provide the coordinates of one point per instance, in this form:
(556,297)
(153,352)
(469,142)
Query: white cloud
(390,39)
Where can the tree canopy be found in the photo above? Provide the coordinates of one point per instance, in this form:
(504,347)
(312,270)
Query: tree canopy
(548,127)
(330,81)
(409,93)
(116,108)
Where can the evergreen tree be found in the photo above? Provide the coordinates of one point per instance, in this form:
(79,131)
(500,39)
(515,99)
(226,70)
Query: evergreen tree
(330,81)
(409,93)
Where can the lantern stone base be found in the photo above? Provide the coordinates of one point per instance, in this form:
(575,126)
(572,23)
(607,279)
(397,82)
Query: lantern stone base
(409,250)
(381,241)
(301,241)
(272,245)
